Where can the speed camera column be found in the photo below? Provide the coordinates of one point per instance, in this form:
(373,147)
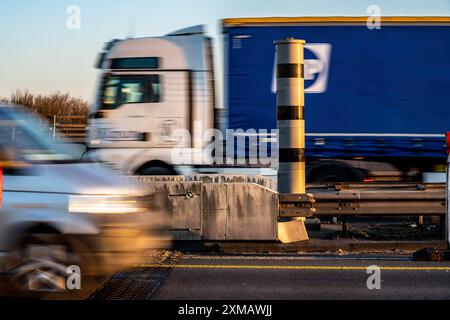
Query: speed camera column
(290,115)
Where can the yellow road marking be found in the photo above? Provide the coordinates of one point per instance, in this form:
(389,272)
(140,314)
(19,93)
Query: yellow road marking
(326,268)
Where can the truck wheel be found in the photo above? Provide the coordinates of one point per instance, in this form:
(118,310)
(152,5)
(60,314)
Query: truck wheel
(157,171)
(334,173)
(40,265)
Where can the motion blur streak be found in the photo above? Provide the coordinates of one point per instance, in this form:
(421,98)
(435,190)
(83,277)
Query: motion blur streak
(59,211)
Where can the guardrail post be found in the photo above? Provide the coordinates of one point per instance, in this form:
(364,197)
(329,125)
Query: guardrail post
(54,126)
(344,232)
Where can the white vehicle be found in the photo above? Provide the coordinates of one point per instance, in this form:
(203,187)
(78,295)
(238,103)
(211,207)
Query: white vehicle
(151,87)
(156,101)
(57,211)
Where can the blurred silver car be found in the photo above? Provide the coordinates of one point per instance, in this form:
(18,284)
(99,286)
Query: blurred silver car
(58,212)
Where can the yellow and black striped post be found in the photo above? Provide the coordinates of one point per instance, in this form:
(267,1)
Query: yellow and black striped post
(291,131)
(290,115)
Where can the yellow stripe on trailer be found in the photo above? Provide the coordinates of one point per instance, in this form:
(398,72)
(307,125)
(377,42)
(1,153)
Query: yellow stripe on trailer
(362,20)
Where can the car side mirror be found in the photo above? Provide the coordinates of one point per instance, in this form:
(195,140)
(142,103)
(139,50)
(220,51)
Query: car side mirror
(9,160)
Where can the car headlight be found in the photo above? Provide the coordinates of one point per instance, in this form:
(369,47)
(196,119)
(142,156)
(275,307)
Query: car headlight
(105,204)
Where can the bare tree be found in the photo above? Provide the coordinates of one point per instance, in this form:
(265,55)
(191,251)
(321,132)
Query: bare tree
(55,104)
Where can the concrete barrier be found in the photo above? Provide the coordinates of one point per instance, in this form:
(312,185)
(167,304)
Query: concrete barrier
(211,178)
(206,208)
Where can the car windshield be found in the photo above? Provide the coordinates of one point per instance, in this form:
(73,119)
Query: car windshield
(24,137)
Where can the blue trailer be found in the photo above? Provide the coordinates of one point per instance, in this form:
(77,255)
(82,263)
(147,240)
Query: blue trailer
(373,96)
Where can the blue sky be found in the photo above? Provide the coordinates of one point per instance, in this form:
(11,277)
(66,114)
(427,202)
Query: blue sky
(39,53)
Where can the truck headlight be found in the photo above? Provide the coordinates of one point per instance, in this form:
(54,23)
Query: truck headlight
(105,204)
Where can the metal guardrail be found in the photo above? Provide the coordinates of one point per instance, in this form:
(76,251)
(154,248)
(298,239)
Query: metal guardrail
(366,200)
(73,127)
(339,199)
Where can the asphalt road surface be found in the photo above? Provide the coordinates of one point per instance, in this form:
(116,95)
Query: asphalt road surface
(290,277)
(179,276)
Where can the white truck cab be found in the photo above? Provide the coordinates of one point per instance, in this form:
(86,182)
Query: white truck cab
(148,88)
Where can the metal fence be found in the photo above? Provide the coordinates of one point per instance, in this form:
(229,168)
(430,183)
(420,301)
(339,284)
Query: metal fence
(73,127)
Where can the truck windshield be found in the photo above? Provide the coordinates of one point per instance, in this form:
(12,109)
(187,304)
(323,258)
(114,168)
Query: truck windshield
(128,89)
(24,137)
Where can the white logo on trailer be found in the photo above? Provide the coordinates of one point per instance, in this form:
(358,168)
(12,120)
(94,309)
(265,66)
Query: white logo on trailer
(318,68)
